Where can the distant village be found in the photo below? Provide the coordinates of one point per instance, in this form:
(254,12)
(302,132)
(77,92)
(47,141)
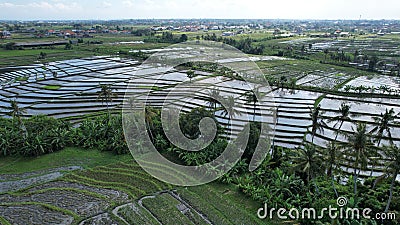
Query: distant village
(86,29)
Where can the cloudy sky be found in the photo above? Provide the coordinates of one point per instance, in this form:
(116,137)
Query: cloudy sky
(230,9)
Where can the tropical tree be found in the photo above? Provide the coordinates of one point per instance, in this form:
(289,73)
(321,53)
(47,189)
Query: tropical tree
(190,74)
(213,96)
(317,121)
(106,95)
(151,116)
(16,112)
(42,55)
(253,96)
(344,115)
(332,155)
(292,83)
(393,169)
(230,108)
(359,147)
(383,124)
(326,52)
(183,38)
(373,61)
(308,161)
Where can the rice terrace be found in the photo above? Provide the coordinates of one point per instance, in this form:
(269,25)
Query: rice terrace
(308,112)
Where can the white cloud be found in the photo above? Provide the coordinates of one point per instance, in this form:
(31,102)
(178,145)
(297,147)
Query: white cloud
(43,5)
(128,3)
(7,5)
(106,4)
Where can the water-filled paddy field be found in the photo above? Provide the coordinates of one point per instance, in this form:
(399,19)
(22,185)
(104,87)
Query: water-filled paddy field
(68,89)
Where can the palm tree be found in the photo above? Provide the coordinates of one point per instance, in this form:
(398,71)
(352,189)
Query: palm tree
(230,108)
(360,147)
(393,169)
(326,52)
(106,95)
(150,116)
(332,155)
(253,96)
(292,83)
(213,96)
(308,161)
(383,124)
(317,122)
(16,112)
(344,115)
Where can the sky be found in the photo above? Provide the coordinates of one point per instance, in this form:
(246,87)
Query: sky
(198,9)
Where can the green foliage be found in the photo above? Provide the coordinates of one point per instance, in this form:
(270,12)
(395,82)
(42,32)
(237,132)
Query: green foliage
(52,87)
(246,45)
(189,122)
(68,46)
(166,37)
(40,135)
(9,46)
(143,32)
(24,78)
(103,133)
(42,55)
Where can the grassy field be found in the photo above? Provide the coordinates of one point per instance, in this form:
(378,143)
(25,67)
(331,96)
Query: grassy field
(67,157)
(110,46)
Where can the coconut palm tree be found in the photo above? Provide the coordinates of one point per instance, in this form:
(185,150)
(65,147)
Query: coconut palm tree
(106,95)
(308,161)
(254,96)
(213,96)
(326,52)
(359,147)
(344,115)
(230,107)
(317,121)
(150,117)
(16,112)
(393,169)
(383,124)
(332,155)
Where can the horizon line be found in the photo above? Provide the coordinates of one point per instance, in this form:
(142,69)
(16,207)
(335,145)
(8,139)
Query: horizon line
(35,20)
